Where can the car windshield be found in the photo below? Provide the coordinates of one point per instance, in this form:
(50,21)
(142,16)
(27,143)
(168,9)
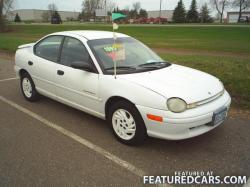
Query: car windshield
(130,56)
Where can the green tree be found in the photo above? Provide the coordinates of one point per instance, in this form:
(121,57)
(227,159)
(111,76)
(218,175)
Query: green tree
(81,16)
(17,18)
(193,15)
(179,15)
(5,7)
(89,7)
(205,14)
(143,13)
(2,21)
(132,14)
(136,6)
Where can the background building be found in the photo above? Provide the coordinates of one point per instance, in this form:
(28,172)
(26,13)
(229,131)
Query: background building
(36,15)
(232,17)
(164,14)
(101,15)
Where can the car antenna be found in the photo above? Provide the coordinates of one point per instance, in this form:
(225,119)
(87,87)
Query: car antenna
(115,16)
(115,26)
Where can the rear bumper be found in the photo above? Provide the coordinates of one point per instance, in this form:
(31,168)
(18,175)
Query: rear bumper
(184,125)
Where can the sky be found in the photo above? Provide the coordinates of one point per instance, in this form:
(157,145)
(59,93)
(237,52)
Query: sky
(75,5)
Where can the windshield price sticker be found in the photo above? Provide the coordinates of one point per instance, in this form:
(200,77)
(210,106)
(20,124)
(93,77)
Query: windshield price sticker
(114,47)
(116,52)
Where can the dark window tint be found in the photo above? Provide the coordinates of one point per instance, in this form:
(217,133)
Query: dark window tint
(73,51)
(49,48)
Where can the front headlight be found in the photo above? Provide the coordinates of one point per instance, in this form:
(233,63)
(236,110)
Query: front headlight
(176,105)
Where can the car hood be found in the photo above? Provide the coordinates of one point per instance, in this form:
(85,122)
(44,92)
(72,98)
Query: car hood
(178,81)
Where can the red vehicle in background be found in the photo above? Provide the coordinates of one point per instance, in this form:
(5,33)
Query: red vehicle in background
(151,20)
(159,20)
(140,21)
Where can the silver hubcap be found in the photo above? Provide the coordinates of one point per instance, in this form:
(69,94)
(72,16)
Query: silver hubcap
(27,87)
(124,124)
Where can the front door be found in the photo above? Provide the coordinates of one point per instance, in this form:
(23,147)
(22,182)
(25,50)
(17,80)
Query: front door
(77,87)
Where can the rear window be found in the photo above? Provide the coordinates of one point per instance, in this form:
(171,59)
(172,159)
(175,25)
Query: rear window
(49,48)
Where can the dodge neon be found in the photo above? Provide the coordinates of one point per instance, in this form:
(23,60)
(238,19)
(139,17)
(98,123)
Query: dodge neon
(124,82)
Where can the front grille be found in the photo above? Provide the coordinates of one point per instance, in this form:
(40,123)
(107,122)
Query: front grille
(210,99)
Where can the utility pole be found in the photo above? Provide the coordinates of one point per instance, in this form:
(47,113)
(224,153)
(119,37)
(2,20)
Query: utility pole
(160,11)
(106,12)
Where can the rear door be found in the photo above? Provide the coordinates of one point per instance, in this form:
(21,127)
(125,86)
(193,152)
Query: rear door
(77,87)
(43,64)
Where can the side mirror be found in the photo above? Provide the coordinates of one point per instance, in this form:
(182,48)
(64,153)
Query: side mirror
(86,66)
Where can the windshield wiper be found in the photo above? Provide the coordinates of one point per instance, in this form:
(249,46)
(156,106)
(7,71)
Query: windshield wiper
(155,65)
(121,68)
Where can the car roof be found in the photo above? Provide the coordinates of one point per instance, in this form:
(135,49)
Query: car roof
(91,34)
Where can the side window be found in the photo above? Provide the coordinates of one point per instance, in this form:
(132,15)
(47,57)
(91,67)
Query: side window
(49,48)
(74,51)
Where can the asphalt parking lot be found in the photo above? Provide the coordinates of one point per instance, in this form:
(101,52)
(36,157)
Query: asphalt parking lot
(50,144)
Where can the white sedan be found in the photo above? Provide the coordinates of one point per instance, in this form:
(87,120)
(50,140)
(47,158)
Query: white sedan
(124,82)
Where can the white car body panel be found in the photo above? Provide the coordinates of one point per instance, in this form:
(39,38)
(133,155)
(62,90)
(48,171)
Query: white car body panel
(176,80)
(132,92)
(83,92)
(149,91)
(184,125)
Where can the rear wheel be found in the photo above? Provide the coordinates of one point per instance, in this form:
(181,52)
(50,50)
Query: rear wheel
(127,123)
(28,88)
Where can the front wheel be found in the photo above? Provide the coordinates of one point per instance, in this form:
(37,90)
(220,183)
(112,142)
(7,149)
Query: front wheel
(127,123)
(28,88)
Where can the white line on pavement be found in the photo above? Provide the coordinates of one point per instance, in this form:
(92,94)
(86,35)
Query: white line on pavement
(4,80)
(80,140)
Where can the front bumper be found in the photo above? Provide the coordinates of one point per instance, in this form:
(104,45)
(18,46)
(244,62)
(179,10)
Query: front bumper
(191,123)
(17,71)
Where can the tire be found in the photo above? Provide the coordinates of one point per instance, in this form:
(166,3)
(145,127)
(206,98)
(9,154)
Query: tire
(127,123)
(28,88)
